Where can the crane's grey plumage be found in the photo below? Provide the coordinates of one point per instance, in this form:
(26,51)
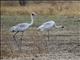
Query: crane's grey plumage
(47,26)
(22,26)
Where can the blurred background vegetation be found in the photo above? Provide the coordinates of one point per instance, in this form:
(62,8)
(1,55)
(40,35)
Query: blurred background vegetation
(25,7)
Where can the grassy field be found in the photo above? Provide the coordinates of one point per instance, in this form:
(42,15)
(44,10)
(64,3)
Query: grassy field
(66,8)
(64,44)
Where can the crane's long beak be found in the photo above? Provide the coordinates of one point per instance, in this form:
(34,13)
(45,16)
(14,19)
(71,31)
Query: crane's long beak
(62,27)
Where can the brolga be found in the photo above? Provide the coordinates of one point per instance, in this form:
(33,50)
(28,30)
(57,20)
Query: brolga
(47,26)
(22,27)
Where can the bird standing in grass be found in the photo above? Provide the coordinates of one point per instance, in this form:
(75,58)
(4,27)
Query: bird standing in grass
(22,26)
(47,26)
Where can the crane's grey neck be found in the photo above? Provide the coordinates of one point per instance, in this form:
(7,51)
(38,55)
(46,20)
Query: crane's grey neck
(31,20)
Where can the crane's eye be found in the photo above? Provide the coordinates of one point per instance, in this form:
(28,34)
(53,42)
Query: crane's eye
(32,14)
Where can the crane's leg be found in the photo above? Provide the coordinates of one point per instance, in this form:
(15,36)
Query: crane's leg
(21,36)
(14,37)
(20,43)
(48,35)
(47,41)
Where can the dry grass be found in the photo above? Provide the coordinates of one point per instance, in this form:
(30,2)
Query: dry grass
(62,45)
(70,9)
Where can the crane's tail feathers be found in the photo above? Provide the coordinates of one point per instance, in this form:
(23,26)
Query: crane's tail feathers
(12,29)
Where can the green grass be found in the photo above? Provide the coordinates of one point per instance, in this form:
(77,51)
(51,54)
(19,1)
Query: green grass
(69,22)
